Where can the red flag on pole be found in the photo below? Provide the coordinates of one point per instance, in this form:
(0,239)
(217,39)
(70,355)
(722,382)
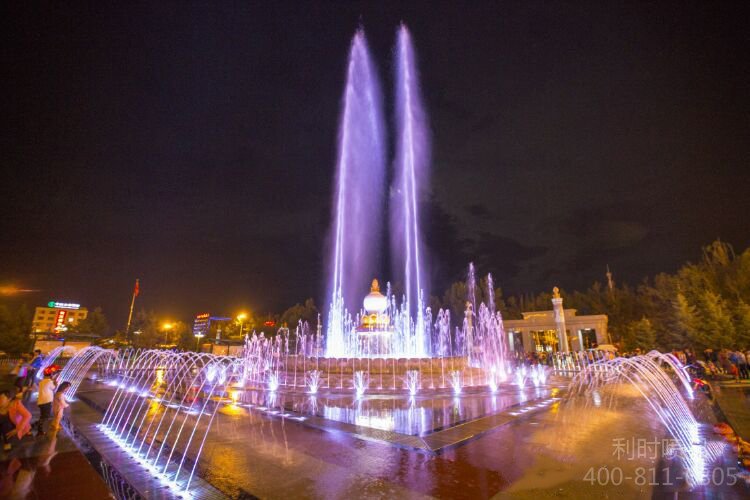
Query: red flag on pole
(136,290)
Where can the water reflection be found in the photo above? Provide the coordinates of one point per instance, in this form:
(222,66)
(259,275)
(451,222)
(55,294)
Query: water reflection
(413,415)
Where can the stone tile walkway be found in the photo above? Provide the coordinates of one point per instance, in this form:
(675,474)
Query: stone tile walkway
(48,467)
(734,401)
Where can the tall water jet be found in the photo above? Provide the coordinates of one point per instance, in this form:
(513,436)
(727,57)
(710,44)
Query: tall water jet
(411,169)
(358,197)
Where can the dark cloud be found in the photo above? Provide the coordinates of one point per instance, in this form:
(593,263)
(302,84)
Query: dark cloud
(479,210)
(501,256)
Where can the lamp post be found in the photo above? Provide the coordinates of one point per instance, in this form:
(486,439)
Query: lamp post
(198,337)
(167,327)
(241,318)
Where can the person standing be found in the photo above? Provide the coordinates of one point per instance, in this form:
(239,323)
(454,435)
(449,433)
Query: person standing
(58,405)
(20,371)
(741,363)
(34,367)
(44,401)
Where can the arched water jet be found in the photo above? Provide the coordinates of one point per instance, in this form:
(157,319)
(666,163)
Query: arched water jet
(657,388)
(78,366)
(160,406)
(52,356)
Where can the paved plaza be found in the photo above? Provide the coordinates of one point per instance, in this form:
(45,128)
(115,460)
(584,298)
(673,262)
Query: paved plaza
(531,445)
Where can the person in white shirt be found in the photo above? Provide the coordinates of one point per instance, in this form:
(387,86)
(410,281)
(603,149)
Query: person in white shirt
(44,401)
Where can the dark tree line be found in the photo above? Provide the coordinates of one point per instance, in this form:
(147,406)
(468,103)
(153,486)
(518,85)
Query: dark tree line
(704,304)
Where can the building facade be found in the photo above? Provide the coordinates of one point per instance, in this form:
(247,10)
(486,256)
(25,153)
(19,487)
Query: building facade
(538,331)
(56,317)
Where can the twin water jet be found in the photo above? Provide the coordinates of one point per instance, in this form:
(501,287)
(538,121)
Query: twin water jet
(359,203)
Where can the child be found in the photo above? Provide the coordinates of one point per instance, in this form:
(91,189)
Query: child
(58,406)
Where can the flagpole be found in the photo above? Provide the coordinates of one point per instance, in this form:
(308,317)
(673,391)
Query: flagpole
(130,315)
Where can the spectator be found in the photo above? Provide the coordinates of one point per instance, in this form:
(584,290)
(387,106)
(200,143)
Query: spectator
(14,417)
(34,366)
(58,405)
(20,371)
(741,363)
(734,371)
(44,401)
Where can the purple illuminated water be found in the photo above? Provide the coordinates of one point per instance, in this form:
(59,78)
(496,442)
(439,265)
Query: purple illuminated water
(358,201)
(405,328)
(411,170)
(358,204)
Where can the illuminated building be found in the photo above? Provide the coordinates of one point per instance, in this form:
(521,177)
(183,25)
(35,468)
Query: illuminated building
(56,317)
(538,331)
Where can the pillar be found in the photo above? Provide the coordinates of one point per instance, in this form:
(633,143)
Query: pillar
(557,307)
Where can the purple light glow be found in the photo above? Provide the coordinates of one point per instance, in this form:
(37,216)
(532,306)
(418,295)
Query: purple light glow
(358,206)
(412,161)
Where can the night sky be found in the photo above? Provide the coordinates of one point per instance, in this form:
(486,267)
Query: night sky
(193,145)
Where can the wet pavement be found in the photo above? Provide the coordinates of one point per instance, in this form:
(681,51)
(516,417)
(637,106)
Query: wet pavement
(559,449)
(734,400)
(528,444)
(49,467)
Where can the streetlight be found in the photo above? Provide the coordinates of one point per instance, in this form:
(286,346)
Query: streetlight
(241,317)
(198,337)
(167,327)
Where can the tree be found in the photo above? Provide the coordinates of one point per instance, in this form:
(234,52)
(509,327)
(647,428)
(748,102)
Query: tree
(184,337)
(742,321)
(146,331)
(455,300)
(639,334)
(683,327)
(15,328)
(95,323)
(299,312)
(716,325)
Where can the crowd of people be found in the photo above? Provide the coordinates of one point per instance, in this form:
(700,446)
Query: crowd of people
(15,418)
(712,364)
(725,362)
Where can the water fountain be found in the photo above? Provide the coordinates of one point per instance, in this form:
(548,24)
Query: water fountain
(645,374)
(393,350)
(372,350)
(53,356)
(163,408)
(358,196)
(81,364)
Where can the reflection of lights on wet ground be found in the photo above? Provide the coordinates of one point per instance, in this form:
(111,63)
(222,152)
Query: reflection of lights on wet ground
(230,410)
(384,423)
(597,398)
